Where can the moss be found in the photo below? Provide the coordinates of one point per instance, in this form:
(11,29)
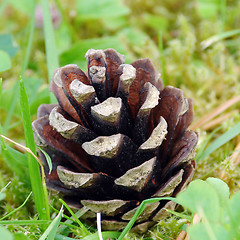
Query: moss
(210,76)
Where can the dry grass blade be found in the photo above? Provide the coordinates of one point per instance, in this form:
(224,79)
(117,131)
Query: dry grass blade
(155,235)
(182,235)
(23,148)
(221,36)
(214,113)
(196,218)
(187,237)
(236,155)
(31,153)
(215,122)
(99,226)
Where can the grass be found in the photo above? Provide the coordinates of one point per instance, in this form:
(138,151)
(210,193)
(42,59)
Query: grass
(37,181)
(50,45)
(194,44)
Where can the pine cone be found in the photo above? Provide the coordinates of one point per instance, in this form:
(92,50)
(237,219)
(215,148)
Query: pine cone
(116,138)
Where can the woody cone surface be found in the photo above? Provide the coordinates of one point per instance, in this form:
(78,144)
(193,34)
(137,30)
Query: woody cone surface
(116,137)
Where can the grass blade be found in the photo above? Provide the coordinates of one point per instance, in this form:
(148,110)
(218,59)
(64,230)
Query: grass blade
(139,211)
(2,194)
(50,44)
(75,217)
(204,145)
(218,120)
(48,159)
(78,214)
(19,157)
(15,210)
(51,231)
(38,189)
(227,136)
(30,41)
(180,215)
(24,66)
(206,118)
(25,222)
(5,187)
(99,228)
(12,163)
(61,237)
(208,42)
(10,113)
(106,235)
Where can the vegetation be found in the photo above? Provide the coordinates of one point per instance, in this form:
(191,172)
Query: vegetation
(195,46)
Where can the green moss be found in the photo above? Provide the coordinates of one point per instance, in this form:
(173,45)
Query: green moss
(210,76)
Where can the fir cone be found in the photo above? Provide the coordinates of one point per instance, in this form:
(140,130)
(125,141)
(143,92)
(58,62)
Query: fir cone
(116,137)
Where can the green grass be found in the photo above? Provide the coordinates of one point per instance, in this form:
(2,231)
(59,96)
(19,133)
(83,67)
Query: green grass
(38,185)
(81,225)
(50,45)
(195,46)
(224,138)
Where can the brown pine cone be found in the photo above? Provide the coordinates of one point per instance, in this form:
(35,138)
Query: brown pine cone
(116,137)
